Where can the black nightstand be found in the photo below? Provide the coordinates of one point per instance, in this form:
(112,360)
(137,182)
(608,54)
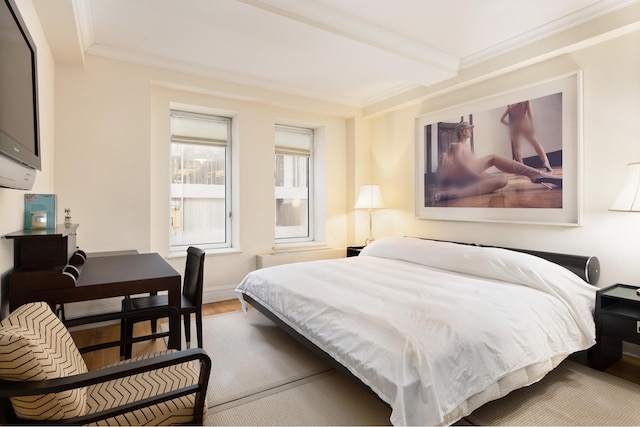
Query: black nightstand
(617,319)
(354,250)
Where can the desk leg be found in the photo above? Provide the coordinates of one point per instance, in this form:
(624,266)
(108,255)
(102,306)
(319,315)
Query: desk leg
(175,329)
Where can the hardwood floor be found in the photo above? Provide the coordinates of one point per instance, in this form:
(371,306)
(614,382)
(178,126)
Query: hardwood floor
(627,368)
(102,358)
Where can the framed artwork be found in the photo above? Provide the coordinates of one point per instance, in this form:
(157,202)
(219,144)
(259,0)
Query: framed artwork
(511,157)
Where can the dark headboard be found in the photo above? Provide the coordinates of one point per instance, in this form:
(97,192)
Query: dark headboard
(585,267)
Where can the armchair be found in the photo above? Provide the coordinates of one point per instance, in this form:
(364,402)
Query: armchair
(44,380)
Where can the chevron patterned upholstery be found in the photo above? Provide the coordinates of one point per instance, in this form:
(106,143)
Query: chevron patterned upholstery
(35,345)
(113,393)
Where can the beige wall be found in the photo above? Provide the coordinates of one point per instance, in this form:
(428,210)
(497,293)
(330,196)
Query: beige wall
(611,107)
(12,201)
(112,160)
(110,150)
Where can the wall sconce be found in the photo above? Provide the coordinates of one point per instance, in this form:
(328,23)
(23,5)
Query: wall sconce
(629,198)
(370,198)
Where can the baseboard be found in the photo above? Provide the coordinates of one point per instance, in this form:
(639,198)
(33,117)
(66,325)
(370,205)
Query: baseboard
(109,305)
(219,293)
(631,349)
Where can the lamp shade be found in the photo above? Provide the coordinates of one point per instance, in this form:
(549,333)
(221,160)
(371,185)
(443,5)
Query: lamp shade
(629,198)
(370,197)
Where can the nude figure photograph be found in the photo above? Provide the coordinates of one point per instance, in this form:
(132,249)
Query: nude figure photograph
(510,155)
(499,158)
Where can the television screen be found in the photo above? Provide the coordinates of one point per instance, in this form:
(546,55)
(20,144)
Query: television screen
(19,136)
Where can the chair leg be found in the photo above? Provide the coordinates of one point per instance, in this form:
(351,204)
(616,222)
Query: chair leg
(123,329)
(60,312)
(199,327)
(123,335)
(154,325)
(128,336)
(187,328)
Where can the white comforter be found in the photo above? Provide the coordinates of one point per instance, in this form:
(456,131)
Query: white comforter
(435,329)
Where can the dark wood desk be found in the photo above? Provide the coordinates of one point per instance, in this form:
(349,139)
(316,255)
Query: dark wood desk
(115,276)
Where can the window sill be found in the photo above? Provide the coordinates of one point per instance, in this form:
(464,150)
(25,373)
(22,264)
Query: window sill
(213,252)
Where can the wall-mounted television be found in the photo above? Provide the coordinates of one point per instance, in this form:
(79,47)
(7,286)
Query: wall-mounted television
(19,130)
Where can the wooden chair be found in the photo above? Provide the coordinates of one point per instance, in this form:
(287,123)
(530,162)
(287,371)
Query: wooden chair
(44,380)
(191,302)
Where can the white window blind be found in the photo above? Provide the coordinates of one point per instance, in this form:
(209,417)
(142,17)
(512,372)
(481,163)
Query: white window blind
(200,180)
(293,184)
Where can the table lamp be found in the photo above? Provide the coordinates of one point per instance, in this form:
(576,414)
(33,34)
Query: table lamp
(369,198)
(629,198)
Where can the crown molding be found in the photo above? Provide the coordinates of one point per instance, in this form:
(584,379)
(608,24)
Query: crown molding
(582,16)
(313,13)
(389,43)
(209,73)
(82,9)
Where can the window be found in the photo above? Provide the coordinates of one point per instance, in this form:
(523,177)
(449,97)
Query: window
(200,180)
(293,184)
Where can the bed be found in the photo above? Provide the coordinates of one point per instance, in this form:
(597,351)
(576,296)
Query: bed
(435,329)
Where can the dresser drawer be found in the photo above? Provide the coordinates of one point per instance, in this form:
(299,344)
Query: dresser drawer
(623,327)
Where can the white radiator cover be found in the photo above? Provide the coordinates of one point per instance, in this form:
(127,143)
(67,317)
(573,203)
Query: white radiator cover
(271,259)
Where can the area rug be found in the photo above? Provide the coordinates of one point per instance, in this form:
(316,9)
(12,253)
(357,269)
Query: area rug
(570,395)
(262,376)
(250,354)
(325,399)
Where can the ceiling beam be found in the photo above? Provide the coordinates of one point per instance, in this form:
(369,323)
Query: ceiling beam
(312,13)
(59,20)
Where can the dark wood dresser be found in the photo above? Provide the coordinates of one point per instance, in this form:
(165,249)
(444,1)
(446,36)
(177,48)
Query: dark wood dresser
(44,259)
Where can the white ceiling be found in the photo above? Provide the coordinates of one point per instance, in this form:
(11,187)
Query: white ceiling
(353,52)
